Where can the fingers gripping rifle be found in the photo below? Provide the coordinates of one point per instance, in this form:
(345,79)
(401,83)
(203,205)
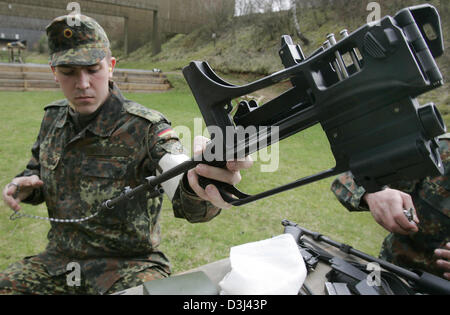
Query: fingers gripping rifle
(366,104)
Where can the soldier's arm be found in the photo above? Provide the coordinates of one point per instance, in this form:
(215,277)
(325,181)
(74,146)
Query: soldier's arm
(229,174)
(386,206)
(31,175)
(27,186)
(349,194)
(166,150)
(353,197)
(20,189)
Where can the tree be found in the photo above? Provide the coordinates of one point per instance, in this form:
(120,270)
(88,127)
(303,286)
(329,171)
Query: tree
(304,39)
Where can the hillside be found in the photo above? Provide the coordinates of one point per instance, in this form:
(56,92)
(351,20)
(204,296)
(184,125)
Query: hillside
(246,48)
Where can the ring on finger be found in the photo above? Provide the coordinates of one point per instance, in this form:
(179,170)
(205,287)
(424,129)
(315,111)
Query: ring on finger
(17,188)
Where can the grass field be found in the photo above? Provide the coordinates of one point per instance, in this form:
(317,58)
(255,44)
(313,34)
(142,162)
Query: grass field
(189,245)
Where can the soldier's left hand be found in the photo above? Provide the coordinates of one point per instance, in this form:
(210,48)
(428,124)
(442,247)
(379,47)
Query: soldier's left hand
(13,195)
(230,175)
(444,259)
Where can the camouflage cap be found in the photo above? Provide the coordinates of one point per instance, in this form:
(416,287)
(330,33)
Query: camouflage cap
(76,40)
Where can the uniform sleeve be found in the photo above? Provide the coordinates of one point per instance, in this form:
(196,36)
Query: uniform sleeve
(348,193)
(186,204)
(34,168)
(435,191)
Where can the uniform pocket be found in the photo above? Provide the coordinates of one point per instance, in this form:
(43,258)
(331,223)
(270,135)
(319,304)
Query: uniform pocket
(103,179)
(48,159)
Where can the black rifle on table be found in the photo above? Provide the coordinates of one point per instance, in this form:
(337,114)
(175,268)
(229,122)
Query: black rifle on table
(366,104)
(351,273)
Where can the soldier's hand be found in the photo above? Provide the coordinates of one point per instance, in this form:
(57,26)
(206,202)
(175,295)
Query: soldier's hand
(444,259)
(19,189)
(387,208)
(230,175)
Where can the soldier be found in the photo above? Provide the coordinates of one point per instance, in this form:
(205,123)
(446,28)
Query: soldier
(90,146)
(424,242)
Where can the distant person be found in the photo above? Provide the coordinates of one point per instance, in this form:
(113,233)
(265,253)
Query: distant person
(423,243)
(90,146)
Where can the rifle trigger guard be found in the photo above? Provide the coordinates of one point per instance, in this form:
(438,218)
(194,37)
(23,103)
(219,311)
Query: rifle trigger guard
(225,189)
(230,189)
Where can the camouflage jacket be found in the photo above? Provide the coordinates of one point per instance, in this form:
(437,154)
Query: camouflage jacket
(119,148)
(431,198)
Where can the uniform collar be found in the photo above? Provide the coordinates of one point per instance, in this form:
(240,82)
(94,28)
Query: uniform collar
(103,125)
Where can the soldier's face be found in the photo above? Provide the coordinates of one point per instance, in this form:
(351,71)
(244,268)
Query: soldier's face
(86,87)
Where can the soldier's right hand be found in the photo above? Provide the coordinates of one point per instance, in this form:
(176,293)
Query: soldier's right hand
(19,189)
(386,206)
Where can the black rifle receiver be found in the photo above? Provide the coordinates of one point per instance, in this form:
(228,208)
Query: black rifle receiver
(367,108)
(361,89)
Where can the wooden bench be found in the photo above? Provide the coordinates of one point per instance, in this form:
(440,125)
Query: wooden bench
(38,77)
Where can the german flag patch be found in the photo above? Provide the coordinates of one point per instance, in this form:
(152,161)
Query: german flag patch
(167,133)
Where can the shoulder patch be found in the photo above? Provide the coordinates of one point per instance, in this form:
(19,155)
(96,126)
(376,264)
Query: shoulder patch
(58,103)
(141,111)
(445,136)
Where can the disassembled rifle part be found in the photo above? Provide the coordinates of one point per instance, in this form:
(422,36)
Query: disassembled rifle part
(417,280)
(366,103)
(367,108)
(409,214)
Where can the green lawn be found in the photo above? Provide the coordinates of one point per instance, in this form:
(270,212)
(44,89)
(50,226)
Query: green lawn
(189,245)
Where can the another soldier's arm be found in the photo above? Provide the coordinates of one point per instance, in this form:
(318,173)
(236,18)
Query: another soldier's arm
(386,206)
(348,193)
(444,260)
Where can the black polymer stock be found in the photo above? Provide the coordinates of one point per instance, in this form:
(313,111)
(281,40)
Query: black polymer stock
(362,90)
(420,281)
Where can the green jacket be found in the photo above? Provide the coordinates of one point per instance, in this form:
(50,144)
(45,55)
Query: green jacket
(119,148)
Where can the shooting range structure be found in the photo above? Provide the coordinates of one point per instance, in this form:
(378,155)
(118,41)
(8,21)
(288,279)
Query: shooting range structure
(141,21)
(37,77)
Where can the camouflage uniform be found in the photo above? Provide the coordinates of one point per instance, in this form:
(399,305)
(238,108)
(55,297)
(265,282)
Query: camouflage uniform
(431,197)
(117,248)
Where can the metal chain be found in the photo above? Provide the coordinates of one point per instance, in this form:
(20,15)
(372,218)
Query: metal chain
(18,215)
(105,205)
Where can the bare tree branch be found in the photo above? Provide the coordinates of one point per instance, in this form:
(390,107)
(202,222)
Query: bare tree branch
(304,39)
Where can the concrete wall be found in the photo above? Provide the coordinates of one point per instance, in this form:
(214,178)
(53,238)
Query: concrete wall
(174,16)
